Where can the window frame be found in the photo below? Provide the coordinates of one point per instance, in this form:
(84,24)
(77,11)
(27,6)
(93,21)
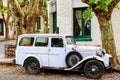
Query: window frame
(82,37)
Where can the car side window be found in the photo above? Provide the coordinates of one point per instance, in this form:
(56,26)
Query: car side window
(41,41)
(56,42)
(26,41)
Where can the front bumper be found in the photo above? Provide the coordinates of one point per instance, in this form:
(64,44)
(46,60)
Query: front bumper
(106,61)
(110,66)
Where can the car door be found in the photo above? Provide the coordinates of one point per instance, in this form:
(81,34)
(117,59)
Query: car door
(41,49)
(24,49)
(57,52)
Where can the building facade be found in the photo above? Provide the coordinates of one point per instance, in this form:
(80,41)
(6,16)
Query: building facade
(65,17)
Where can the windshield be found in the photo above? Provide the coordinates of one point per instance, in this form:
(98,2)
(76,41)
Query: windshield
(70,40)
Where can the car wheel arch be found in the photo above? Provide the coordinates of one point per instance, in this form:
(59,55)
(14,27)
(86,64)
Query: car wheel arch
(84,62)
(32,65)
(34,58)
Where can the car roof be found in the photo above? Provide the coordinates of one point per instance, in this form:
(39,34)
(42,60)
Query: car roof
(45,35)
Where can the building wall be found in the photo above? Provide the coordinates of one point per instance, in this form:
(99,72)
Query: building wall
(116,28)
(64,16)
(78,3)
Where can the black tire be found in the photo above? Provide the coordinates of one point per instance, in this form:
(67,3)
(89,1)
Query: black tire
(73,58)
(94,69)
(32,66)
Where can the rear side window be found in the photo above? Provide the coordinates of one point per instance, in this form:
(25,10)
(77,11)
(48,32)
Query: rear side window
(41,41)
(26,41)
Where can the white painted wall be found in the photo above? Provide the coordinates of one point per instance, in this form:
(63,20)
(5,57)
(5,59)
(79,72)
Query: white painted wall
(116,28)
(64,16)
(78,3)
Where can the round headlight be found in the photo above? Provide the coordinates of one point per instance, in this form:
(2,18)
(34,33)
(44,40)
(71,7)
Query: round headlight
(99,53)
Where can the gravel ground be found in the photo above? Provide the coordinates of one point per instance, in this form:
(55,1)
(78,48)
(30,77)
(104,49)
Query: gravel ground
(16,72)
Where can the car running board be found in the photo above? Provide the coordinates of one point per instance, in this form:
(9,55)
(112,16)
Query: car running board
(76,65)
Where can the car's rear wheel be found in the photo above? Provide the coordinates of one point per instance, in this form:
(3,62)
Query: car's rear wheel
(32,66)
(94,69)
(72,59)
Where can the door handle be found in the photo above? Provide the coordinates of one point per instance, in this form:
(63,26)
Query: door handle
(48,49)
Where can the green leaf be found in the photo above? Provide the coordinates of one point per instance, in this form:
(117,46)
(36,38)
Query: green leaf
(1,10)
(89,9)
(94,1)
(19,1)
(6,10)
(117,6)
(87,13)
(91,1)
(103,6)
(108,1)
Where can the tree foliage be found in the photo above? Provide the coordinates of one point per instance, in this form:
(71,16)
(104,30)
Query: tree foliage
(25,13)
(105,6)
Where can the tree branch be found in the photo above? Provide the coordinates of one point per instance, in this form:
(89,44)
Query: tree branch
(15,8)
(36,9)
(112,5)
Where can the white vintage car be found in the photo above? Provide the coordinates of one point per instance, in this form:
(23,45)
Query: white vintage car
(54,51)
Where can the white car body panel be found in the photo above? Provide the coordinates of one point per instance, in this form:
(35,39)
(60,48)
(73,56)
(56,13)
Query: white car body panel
(55,56)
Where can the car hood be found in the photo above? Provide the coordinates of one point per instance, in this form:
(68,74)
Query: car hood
(87,48)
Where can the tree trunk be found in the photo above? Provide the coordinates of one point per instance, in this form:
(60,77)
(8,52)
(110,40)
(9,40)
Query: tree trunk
(7,31)
(18,26)
(107,36)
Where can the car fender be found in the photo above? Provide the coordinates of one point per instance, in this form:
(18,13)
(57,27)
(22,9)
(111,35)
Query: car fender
(33,57)
(108,55)
(85,59)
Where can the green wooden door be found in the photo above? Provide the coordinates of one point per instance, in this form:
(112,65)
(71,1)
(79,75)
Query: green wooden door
(54,22)
(1,27)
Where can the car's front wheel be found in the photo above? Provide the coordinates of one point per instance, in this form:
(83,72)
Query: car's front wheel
(32,66)
(94,69)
